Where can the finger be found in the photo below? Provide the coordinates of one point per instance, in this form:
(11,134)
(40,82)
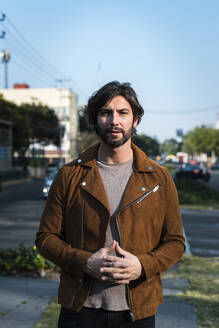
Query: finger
(111,247)
(125,282)
(110,258)
(113,270)
(119,264)
(120,250)
(120,276)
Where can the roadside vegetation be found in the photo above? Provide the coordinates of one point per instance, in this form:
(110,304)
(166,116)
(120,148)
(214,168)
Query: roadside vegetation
(197,194)
(203,290)
(24,260)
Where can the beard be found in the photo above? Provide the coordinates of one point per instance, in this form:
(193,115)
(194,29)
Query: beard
(110,141)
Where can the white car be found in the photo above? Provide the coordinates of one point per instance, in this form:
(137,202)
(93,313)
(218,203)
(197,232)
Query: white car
(47,184)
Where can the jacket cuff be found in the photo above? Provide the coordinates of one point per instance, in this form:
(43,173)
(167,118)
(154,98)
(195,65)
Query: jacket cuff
(149,265)
(78,263)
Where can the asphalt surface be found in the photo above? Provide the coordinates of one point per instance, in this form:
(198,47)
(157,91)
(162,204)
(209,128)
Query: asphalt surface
(202,230)
(24,299)
(21,207)
(214,180)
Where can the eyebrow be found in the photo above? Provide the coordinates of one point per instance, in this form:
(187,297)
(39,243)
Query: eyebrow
(110,110)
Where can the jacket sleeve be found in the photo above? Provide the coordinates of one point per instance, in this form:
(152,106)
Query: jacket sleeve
(172,242)
(49,239)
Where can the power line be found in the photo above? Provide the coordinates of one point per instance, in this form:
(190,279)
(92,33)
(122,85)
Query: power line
(31,61)
(16,44)
(32,50)
(21,66)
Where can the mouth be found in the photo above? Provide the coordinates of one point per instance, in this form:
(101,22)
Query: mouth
(114,131)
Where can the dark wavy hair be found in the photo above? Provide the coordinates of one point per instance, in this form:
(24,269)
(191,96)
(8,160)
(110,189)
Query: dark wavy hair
(105,94)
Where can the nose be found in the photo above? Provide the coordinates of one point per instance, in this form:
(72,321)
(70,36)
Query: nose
(114,119)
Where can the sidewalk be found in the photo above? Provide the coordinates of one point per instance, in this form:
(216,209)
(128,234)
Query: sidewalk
(23,300)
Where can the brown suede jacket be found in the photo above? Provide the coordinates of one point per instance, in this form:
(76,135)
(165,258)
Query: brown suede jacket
(75,220)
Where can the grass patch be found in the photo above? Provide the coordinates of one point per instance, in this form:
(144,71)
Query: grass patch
(200,207)
(203,290)
(202,293)
(49,318)
(196,193)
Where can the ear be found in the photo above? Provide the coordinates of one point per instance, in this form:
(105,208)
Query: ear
(135,122)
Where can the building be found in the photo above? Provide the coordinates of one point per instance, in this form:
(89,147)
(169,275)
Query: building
(64,102)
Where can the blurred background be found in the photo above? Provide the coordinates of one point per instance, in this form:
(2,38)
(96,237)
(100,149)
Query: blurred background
(54,55)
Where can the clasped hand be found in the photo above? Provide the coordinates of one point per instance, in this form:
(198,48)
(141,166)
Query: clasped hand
(113,269)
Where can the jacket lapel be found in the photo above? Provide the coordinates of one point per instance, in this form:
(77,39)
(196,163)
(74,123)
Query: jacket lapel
(142,180)
(93,184)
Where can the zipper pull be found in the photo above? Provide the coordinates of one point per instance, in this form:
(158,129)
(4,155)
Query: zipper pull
(155,188)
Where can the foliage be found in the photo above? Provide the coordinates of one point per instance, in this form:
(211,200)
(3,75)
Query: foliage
(31,123)
(83,121)
(170,167)
(170,146)
(37,162)
(195,192)
(202,140)
(43,123)
(87,136)
(49,318)
(22,259)
(149,145)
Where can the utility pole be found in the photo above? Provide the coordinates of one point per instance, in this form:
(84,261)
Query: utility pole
(6,56)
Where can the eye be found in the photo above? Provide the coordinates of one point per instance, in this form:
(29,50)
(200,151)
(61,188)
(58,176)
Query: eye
(105,113)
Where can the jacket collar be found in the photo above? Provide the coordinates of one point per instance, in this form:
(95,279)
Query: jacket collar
(142,162)
(93,183)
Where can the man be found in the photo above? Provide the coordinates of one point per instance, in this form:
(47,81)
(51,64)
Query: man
(111,222)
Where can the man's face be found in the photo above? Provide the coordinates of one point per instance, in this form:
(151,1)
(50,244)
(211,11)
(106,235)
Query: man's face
(115,122)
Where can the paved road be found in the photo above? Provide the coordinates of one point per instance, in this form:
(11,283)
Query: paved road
(214,180)
(202,230)
(21,208)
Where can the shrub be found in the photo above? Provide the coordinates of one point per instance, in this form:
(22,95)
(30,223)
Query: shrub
(195,192)
(23,259)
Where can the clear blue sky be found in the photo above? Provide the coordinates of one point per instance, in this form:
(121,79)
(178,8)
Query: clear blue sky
(167,49)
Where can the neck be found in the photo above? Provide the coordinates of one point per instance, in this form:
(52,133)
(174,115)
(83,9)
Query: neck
(108,154)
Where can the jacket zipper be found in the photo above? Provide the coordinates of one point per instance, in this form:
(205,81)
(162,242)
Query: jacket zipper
(126,286)
(82,225)
(138,200)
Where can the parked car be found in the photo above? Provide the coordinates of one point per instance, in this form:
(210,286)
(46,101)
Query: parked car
(51,168)
(215,166)
(47,184)
(189,171)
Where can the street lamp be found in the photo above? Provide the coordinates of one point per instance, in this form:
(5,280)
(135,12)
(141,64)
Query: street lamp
(5,56)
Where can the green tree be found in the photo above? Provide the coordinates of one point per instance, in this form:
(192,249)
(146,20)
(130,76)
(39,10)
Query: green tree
(87,135)
(170,146)
(43,123)
(149,145)
(200,140)
(32,123)
(216,142)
